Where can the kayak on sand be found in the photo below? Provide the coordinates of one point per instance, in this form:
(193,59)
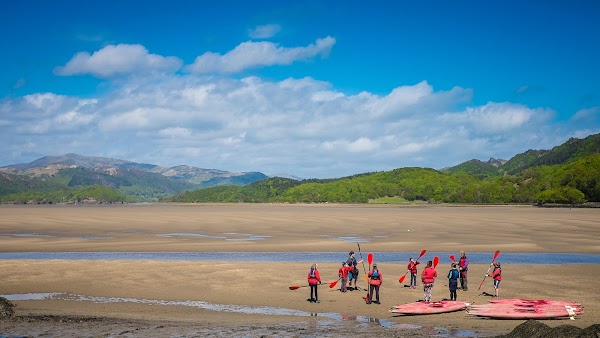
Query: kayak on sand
(531,302)
(528,313)
(426,308)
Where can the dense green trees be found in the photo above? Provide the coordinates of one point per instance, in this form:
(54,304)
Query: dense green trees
(577,181)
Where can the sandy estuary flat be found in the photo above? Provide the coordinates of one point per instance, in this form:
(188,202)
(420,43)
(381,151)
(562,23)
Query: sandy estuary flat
(145,297)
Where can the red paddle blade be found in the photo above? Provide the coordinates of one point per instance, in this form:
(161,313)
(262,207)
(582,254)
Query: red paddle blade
(436,260)
(332,284)
(401,279)
(367,298)
(370,258)
(452,258)
(422,253)
(294,287)
(496,254)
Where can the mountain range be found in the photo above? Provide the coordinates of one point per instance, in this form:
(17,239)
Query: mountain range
(69,176)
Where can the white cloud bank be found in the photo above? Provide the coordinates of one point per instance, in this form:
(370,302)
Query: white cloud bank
(299,126)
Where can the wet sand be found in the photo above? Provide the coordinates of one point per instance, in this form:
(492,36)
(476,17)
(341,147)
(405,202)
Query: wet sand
(292,228)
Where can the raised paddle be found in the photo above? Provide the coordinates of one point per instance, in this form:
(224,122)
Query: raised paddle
(401,279)
(436,260)
(370,260)
(363,262)
(452,258)
(489,267)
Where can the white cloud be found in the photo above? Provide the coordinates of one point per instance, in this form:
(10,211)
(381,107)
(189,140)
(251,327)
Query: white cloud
(116,60)
(300,126)
(264,31)
(258,54)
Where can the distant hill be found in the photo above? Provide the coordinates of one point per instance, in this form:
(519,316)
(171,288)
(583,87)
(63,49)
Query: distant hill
(567,174)
(136,181)
(571,150)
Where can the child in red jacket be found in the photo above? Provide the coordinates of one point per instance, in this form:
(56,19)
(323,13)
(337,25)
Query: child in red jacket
(412,267)
(497,275)
(343,274)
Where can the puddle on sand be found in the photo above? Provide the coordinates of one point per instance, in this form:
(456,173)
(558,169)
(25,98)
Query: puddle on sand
(353,239)
(437,331)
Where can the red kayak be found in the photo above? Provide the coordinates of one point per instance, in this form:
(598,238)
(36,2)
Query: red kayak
(427,308)
(531,302)
(527,313)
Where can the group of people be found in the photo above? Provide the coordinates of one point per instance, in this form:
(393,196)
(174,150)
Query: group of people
(348,274)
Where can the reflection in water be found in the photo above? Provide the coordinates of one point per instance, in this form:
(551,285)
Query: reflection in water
(437,331)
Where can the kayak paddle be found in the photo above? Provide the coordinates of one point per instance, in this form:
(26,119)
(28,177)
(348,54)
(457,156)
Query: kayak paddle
(370,260)
(489,267)
(436,260)
(332,284)
(452,258)
(296,287)
(401,279)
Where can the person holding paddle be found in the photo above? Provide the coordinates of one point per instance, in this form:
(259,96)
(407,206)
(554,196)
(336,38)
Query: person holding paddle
(463,266)
(343,275)
(412,267)
(375,281)
(428,278)
(353,271)
(314,279)
(497,275)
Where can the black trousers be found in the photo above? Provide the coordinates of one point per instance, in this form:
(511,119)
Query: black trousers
(371,289)
(313,289)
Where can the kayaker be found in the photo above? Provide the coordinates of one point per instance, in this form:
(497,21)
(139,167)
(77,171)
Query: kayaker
(497,275)
(314,279)
(375,281)
(353,271)
(412,267)
(453,276)
(463,265)
(428,278)
(343,274)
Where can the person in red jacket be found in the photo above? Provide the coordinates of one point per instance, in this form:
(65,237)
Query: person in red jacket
(314,279)
(412,267)
(375,281)
(343,274)
(463,267)
(428,278)
(497,275)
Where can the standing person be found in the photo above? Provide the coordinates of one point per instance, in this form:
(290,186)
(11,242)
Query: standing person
(412,267)
(343,274)
(453,276)
(375,281)
(463,265)
(428,278)
(497,275)
(314,279)
(353,271)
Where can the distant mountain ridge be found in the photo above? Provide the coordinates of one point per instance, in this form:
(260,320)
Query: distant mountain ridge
(568,173)
(143,181)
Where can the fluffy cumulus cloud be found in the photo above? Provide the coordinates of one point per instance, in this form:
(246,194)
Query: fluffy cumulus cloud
(253,54)
(116,60)
(300,126)
(264,31)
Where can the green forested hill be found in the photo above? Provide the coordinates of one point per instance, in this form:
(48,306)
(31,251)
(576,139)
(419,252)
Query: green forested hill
(573,180)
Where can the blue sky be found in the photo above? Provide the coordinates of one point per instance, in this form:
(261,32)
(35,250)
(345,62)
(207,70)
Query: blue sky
(316,89)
